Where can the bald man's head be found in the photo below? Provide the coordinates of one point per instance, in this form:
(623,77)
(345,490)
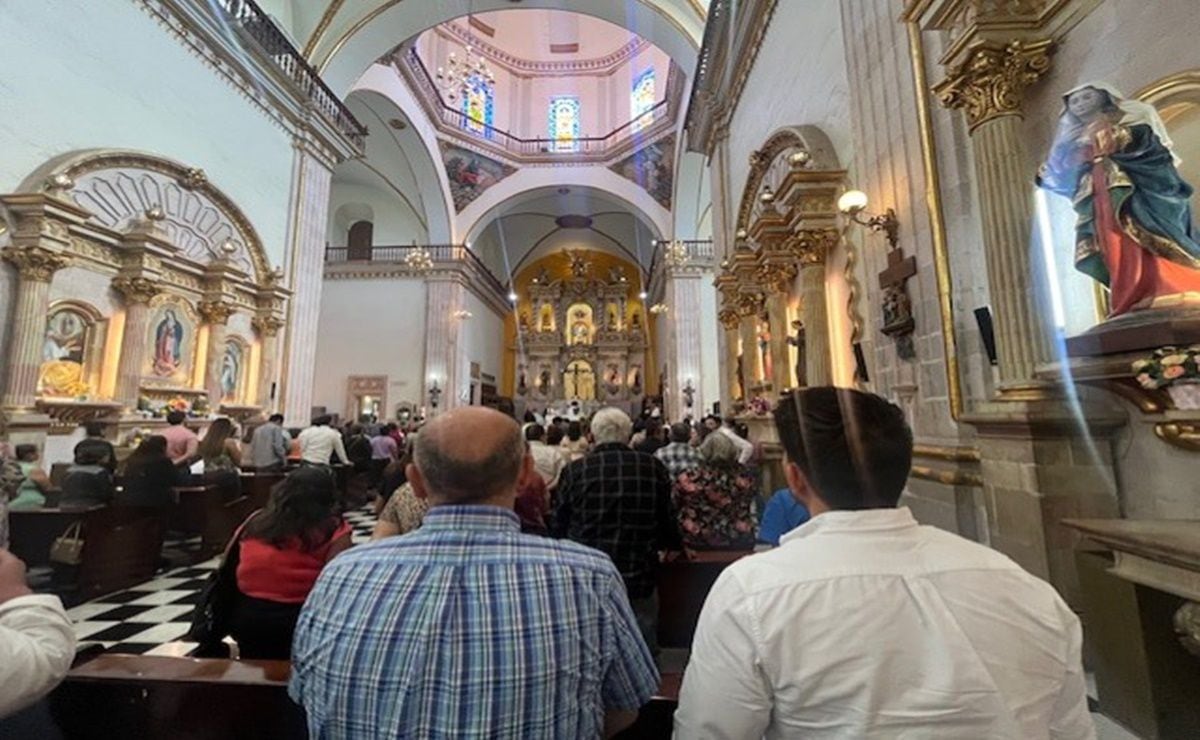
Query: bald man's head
(469,455)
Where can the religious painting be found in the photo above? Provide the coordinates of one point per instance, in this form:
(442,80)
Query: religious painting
(635,380)
(68,341)
(232,363)
(171,340)
(470,173)
(612,378)
(1112,157)
(651,168)
(579,381)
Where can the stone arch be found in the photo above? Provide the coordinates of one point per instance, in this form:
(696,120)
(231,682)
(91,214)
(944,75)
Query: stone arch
(822,156)
(119,185)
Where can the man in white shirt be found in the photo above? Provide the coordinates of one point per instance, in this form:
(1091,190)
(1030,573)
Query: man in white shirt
(745,449)
(320,442)
(547,460)
(37,641)
(864,624)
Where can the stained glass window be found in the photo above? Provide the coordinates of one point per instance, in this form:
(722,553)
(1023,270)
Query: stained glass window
(564,122)
(641,100)
(477,106)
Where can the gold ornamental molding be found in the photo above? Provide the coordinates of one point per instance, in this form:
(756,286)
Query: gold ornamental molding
(729,318)
(214,312)
(947,477)
(267,326)
(947,453)
(36,264)
(992,81)
(812,246)
(1182,434)
(136,290)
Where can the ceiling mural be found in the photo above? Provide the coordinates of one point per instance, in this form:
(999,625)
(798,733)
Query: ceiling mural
(651,168)
(470,173)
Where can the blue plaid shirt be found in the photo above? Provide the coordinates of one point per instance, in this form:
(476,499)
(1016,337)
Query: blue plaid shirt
(467,628)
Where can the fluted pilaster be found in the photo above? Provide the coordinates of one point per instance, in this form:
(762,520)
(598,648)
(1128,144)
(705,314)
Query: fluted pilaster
(267,328)
(215,315)
(137,292)
(35,268)
(816,323)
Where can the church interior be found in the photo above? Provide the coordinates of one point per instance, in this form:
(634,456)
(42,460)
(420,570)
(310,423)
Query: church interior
(384,211)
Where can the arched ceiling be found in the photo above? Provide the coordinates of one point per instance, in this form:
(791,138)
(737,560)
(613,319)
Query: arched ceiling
(343,37)
(540,35)
(541,222)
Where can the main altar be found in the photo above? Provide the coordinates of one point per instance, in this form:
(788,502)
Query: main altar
(581,340)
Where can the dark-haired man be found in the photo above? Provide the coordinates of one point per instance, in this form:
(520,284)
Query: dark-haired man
(863,623)
(182,443)
(95,447)
(680,454)
(467,628)
(320,442)
(269,445)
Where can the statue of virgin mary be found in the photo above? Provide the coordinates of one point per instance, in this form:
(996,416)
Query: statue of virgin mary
(1113,158)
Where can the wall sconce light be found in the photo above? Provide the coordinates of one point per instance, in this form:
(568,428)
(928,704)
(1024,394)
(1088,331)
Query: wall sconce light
(658,308)
(643,295)
(853,202)
(462,313)
(512,296)
(435,394)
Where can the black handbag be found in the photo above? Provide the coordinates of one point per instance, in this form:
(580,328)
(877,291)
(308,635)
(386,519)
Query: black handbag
(214,611)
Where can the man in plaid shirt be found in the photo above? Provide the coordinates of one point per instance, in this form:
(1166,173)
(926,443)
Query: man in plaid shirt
(679,455)
(467,628)
(618,501)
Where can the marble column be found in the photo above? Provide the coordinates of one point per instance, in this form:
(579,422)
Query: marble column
(729,320)
(752,364)
(267,328)
(137,292)
(216,316)
(444,295)
(311,175)
(989,86)
(777,300)
(35,268)
(816,324)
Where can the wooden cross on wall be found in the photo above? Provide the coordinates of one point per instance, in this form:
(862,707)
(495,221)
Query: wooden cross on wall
(898,319)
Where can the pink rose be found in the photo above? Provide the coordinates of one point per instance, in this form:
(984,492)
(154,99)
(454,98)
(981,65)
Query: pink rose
(1173,371)
(1145,380)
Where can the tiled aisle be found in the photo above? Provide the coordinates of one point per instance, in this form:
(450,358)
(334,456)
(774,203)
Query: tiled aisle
(150,619)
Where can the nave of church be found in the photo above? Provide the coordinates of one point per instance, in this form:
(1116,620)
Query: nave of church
(295,291)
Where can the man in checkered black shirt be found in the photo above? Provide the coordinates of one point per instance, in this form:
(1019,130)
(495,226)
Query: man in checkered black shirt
(467,628)
(679,455)
(618,501)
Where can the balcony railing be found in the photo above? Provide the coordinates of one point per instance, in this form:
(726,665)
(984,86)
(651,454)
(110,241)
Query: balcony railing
(255,23)
(644,125)
(700,250)
(396,254)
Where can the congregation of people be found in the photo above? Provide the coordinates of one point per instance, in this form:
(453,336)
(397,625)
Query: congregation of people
(511,587)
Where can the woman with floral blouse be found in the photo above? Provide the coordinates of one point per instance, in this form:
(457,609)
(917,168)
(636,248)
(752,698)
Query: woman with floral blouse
(715,501)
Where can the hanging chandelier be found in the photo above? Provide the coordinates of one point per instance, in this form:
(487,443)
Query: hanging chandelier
(455,78)
(418,260)
(676,254)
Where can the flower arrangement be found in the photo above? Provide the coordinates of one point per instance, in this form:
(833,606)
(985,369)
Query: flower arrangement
(759,406)
(1167,366)
(179,403)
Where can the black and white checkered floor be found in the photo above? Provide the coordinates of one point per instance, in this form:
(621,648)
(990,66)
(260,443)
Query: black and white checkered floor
(153,617)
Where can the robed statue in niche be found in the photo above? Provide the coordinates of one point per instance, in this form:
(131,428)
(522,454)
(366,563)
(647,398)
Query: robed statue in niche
(1113,158)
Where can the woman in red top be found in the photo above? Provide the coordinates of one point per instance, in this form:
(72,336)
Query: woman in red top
(282,551)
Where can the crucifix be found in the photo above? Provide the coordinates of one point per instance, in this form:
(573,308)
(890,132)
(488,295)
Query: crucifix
(898,321)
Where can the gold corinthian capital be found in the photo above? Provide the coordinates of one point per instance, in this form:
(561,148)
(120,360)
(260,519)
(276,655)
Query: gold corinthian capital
(36,264)
(991,82)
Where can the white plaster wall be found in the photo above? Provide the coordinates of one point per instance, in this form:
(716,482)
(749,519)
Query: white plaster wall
(482,338)
(395,223)
(370,327)
(710,349)
(799,77)
(81,74)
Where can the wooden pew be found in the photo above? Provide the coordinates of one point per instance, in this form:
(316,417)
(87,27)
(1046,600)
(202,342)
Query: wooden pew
(122,547)
(149,697)
(220,524)
(683,585)
(33,531)
(257,486)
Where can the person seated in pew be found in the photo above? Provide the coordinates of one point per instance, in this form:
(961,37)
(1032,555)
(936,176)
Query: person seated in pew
(781,515)
(88,482)
(148,476)
(467,627)
(37,640)
(282,551)
(10,481)
(403,513)
(95,446)
(864,623)
(31,491)
(222,457)
(715,501)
